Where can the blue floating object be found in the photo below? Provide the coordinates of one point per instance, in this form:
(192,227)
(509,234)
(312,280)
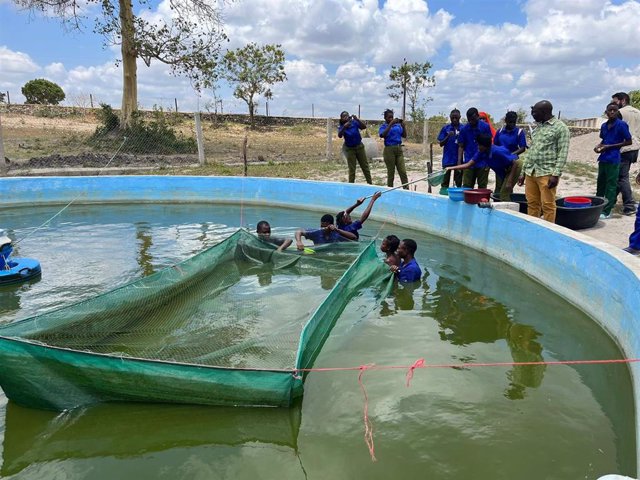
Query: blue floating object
(16,270)
(457,193)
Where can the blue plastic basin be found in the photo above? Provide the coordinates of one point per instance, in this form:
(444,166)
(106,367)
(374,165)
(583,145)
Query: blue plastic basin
(456,193)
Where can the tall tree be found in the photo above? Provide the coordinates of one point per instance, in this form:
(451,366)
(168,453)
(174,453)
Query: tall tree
(189,42)
(251,70)
(408,81)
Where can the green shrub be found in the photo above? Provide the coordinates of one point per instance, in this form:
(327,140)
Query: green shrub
(153,136)
(42,91)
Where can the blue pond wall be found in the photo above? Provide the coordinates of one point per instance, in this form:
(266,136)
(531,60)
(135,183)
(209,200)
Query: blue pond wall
(601,280)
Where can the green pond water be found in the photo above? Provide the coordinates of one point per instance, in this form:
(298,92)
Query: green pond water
(553,422)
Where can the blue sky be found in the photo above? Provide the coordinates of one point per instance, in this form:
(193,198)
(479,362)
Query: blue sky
(491,54)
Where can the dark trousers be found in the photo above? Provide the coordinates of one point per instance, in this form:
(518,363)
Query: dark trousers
(634,238)
(471,175)
(457,178)
(607,183)
(624,186)
(358,155)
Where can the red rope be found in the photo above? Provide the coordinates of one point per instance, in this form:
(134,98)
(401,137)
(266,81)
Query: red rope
(368,426)
(420,363)
(417,364)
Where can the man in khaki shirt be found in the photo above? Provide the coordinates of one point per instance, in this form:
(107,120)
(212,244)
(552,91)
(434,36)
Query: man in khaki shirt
(629,154)
(544,161)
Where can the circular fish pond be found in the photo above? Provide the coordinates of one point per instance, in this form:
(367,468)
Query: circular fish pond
(510,420)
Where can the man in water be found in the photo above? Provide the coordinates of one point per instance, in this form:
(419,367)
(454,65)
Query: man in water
(327,233)
(409,270)
(263,229)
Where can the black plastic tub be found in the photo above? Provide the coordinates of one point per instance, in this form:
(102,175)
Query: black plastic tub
(573,218)
(579,218)
(518,198)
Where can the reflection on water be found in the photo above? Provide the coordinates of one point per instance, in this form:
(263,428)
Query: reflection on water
(132,430)
(461,423)
(465,317)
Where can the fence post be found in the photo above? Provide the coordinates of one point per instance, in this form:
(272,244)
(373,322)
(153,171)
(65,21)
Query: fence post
(176,100)
(3,166)
(312,112)
(201,159)
(8,98)
(425,136)
(329,138)
(91,100)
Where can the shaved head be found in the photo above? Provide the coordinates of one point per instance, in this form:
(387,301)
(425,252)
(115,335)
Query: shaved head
(542,111)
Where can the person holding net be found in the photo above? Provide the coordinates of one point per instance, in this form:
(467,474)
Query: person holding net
(327,233)
(344,220)
(263,230)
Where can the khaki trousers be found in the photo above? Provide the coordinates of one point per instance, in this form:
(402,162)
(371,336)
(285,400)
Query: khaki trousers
(540,198)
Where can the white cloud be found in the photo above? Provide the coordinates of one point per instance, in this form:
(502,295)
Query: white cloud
(15,66)
(575,53)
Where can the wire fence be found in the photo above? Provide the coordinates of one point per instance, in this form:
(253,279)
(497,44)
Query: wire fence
(54,137)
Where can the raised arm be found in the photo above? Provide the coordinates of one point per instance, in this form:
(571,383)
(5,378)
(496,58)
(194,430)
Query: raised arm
(342,128)
(359,202)
(384,132)
(361,125)
(367,210)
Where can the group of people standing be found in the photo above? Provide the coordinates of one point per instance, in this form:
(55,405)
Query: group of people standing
(471,150)
(474,148)
(393,130)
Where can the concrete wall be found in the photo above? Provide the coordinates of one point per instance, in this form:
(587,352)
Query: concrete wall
(601,280)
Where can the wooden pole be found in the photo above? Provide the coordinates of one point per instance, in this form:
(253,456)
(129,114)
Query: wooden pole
(312,112)
(244,154)
(425,136)
(329,138)
(8,98)
(176,101)
(3,166)
(430,165)
(91,100)
(358,110)
(201,159)
(404,90)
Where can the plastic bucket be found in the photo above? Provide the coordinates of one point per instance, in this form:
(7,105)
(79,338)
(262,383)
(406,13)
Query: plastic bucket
(456,193)
(577,202)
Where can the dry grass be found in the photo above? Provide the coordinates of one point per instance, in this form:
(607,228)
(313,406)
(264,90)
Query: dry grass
(297,151)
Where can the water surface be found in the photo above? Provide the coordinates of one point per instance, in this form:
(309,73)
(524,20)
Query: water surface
(554,422)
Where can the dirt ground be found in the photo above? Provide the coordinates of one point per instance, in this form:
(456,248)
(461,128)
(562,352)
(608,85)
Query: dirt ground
(54,146)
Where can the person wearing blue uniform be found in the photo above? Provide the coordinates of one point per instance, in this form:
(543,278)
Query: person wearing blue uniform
(327,233)
(511,137)
(393,131)
(448,140)
(346,223)
(506,165)
(353,148)
(468,146)
(615,135)
(409,270)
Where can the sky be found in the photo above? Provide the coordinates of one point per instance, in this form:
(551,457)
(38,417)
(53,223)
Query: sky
(491,54)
